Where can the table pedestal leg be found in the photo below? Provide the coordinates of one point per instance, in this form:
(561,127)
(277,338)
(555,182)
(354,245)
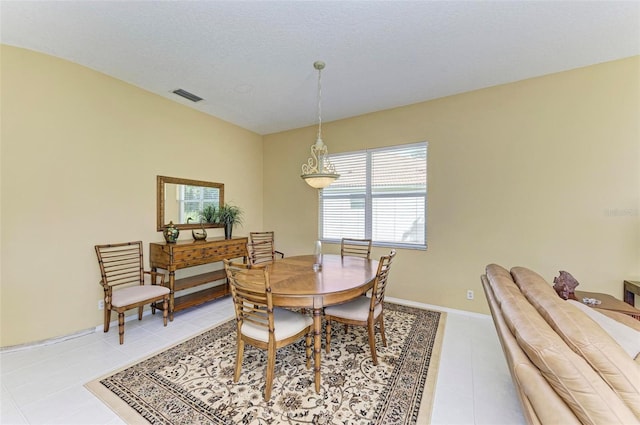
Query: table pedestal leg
(317,345)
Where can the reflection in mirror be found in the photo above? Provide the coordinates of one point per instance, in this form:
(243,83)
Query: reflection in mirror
(187,203)
(184,203)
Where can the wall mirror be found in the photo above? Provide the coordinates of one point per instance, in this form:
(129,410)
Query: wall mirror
(187,202)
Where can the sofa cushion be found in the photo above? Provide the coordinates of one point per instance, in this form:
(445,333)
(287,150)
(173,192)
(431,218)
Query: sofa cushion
(502,283)
(586,394)
(628,338)
(532,285)
(541,404)
(585,337)
(548,406)
(599,349)
(535,289)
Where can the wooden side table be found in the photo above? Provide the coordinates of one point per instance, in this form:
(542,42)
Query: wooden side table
(607,302)
(630,288)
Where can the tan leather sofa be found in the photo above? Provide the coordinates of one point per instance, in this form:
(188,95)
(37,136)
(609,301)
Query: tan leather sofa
(566,368)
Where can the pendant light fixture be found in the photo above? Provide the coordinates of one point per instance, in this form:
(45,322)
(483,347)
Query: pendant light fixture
(318,172)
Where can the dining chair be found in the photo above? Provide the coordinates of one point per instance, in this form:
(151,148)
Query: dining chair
(261,252)
(364,311)
(265,236)
(258,323)
(356,248)
(123,281)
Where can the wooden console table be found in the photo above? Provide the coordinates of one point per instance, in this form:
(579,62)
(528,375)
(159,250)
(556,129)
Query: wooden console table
(184,254)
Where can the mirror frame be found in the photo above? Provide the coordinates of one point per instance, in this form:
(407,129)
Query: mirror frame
(161,180)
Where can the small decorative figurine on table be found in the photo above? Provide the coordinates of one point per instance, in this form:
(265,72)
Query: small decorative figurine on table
(565,285)
(198,236)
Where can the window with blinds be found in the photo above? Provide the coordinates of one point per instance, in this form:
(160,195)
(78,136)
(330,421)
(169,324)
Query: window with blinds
(381,195)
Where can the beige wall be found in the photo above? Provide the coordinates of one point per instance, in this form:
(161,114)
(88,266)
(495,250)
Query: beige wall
(543,173)
(80,154)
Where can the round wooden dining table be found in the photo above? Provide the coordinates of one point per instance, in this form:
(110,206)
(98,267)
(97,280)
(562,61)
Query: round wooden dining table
(295,284)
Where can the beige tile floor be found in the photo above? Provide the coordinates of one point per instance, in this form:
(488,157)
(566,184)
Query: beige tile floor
(44,384)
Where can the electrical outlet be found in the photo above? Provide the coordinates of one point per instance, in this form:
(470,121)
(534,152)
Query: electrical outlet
(469,294)
(101,305)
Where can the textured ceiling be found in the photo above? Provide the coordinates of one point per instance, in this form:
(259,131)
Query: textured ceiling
(252,62)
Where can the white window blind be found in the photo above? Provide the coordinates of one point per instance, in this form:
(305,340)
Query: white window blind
(381,194)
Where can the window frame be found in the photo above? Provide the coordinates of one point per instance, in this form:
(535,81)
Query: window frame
(369,198)
(200,200)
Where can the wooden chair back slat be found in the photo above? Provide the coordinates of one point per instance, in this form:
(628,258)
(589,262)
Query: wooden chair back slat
(255,237)
(261,252)
(261,236)
(251,292)
(380,285)
(121,263)
(355,248)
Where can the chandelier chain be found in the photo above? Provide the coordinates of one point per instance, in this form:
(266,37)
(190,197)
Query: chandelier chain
(320,104)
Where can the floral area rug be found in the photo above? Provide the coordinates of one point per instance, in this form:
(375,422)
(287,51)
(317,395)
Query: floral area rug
(192,382)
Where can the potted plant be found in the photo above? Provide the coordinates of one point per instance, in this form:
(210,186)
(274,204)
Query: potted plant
(229,215)
(208,214)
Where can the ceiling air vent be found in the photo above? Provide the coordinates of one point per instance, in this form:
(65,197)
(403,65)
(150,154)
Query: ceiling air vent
(192,97)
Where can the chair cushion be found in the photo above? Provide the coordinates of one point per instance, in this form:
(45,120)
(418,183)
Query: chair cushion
(357,309)
(287,323)
(135,294)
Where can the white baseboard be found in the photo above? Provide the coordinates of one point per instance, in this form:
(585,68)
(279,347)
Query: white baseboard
(436,307)
(50,341)
(147,312)
(44,342)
